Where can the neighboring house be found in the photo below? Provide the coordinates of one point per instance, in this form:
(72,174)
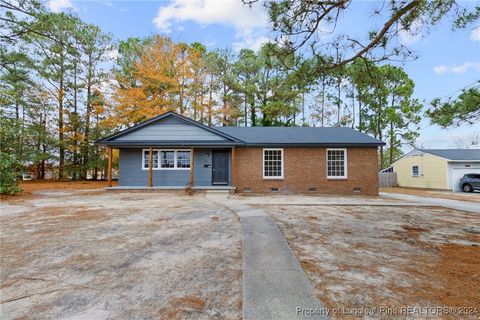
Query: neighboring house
(436,168)
(245,159)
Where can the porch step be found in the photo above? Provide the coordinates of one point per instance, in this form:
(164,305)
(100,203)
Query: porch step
(218,192)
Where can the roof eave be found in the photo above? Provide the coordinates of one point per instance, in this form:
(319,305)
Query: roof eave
(167,143)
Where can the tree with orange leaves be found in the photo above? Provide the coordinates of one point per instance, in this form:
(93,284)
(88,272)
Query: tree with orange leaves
(155,84)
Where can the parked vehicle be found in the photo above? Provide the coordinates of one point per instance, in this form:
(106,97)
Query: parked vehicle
(26,176)
(470,182)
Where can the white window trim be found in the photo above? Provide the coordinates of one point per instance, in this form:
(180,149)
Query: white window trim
(263,163)
(143,156)
(418,175)
(160,160)
(345,163)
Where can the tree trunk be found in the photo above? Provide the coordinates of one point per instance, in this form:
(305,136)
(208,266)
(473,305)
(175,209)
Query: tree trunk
(360,125)
(303,108)
(87,121)
(353,107)
(392,142)
(61,159)
(339,104)
(246,113)
(75,123)
(253,113)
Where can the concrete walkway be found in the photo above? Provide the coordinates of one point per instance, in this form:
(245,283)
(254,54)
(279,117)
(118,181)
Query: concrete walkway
(274,284)
(447,203)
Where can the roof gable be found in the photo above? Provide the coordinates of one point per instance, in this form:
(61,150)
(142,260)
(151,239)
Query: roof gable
(169,128)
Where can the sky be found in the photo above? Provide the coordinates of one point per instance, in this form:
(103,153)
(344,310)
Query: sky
(447,60)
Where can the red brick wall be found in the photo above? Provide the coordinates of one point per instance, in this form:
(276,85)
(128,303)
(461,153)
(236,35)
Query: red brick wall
(305,168)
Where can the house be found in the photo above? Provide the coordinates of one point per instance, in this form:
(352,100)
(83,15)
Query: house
(185,153)
(436,168)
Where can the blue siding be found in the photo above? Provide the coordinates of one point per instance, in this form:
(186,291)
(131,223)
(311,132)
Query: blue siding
(131,173)
(170,129)
(203,176)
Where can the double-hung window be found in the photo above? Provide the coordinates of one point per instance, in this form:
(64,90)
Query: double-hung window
(146,159)
(183,159)
(272,163)
(336,163)
(415,171)
(167,159)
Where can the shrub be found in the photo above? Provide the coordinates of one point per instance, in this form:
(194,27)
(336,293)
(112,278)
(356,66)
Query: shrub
(8,174)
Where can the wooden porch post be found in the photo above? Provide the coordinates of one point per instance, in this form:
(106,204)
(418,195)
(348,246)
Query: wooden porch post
(234,175)
(109,166)
(192,167)
(150,168)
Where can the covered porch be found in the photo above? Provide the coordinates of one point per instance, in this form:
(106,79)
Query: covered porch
(159,167)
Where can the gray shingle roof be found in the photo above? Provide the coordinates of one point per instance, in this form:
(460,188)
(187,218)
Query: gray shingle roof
(299,136)
(455,154)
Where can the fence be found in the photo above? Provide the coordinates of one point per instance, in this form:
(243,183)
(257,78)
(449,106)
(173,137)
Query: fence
(387,179)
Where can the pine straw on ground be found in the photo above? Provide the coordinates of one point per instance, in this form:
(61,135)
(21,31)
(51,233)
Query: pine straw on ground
(31,187)
(370,257)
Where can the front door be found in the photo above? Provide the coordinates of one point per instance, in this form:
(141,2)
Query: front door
(219,167)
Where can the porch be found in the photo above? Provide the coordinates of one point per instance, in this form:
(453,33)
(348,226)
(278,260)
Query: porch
(174,168)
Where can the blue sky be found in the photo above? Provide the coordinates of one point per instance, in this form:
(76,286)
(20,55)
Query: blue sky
(447,61)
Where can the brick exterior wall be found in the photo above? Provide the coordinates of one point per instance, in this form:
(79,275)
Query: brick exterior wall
(306,168)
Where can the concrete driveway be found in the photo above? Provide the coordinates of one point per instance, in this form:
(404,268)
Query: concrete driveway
(446,203)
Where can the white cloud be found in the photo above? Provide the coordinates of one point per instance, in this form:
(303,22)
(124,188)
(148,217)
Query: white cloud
(459,69)
(59,5)
(249,22)
(412,35)
(475,34)
(250,41)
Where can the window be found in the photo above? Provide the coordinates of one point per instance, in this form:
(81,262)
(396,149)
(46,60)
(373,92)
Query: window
(169,159)
(146,159)
(337,163)
(415,171)
(183,159)
(272,163)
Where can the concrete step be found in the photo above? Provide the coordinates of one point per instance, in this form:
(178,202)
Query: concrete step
(218,192)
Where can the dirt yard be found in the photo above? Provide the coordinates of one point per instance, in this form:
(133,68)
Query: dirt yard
(90,254)
(472,197)
(373,257)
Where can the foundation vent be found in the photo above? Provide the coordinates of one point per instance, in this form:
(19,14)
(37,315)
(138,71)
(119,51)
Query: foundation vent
(312,189)
(357,189)
(247,190)
(274,189)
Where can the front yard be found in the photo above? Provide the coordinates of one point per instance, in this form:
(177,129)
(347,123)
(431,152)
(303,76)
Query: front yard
(97,255)
(87,253)
(371,257)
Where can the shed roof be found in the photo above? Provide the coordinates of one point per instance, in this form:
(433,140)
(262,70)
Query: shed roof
(455,154)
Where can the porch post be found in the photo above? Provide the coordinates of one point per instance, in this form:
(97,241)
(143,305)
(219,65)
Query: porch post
(109,173)
(150,168)
(234,175)
(192,167)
